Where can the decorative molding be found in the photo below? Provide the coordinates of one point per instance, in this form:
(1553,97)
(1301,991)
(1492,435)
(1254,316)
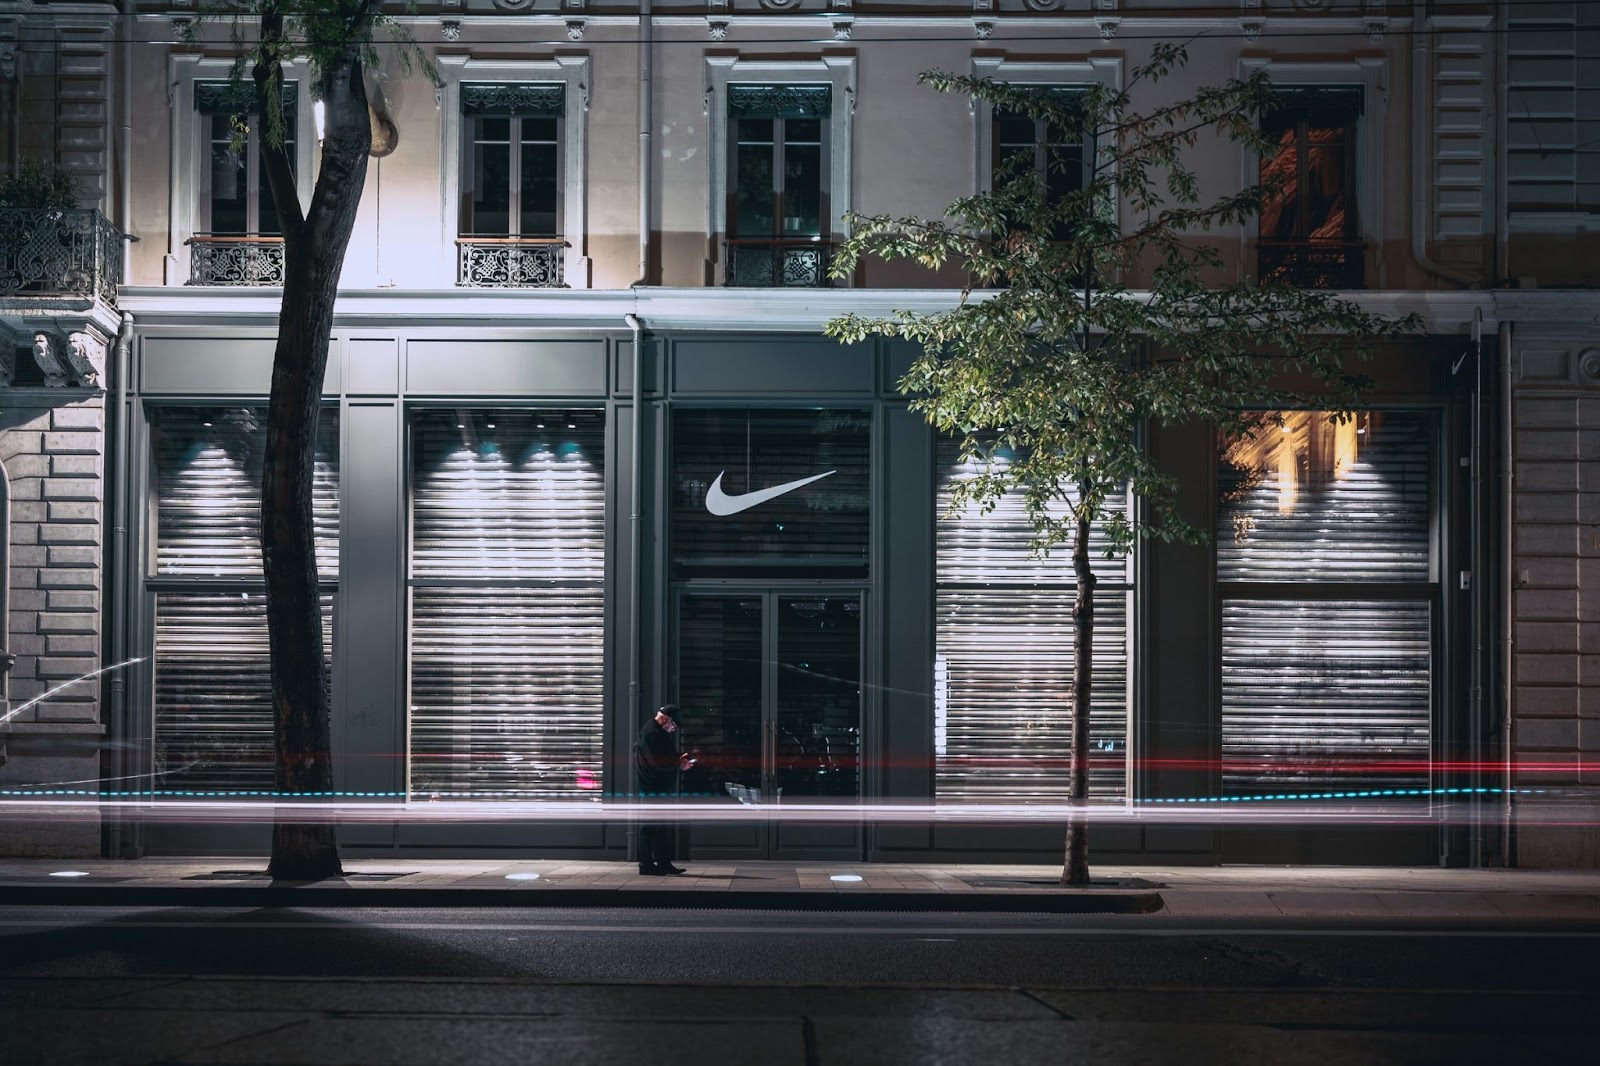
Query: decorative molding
(781,5)
(86,357)
(717,28)
(843,28)
(984,28)
(1589,364)
(1107,27)
(451,29)
(514,5)
(513,98)
(1042,5)
(8,355)
(1250,29)
(784,101)
(47,349)
(575,29)
(8,49)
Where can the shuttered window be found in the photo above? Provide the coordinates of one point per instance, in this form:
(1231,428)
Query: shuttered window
(1003,666)
(507,603)
(1324,559)
(213,705)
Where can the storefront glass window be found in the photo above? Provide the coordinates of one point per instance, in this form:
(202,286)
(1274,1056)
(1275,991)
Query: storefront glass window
(1003,666)
(507,603)
(769,492)
(1326,680)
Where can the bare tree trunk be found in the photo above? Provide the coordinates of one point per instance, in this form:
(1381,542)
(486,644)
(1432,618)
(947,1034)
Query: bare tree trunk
(1075,872)
(314,247)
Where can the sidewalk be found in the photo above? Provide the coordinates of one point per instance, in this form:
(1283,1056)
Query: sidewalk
(1249,892)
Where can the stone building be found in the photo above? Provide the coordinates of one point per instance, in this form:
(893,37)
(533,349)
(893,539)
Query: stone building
(569,303)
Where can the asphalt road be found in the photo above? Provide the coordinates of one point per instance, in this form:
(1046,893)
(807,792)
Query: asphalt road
(111,986)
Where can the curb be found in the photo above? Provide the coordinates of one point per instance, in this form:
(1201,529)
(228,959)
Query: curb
(316,895)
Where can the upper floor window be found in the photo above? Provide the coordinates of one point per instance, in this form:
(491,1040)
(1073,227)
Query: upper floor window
(1027,145)
(510,227)
(237,235)
(1310,228)
(778,184)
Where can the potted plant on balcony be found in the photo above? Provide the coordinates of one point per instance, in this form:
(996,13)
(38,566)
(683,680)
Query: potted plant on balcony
(33,199)
(38,185)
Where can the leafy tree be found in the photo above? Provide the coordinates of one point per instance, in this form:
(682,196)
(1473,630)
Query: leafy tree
(1050,379)
(339,41)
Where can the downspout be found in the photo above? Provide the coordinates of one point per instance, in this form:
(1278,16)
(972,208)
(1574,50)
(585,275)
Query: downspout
(1508,852)
(1479,587)
(123,760)
(125,147)
(636,524)
(1421,139)
(646,118)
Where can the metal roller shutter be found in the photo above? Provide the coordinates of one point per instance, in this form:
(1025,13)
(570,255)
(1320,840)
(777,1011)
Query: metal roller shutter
(1331,694)
(1003,668)
(213,709)
(507,606)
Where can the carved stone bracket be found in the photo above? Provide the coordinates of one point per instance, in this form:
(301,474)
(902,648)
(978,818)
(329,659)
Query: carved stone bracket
(1107,26)
(47,355)
(843,28)
(1250,29)
(86,357)
(1375,18)
(65,354)
(575,29)
(984,28)
(717,28)
(451,28)
(9,30)
(8,355)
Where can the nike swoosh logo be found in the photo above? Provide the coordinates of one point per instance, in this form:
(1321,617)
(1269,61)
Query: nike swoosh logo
(721,504)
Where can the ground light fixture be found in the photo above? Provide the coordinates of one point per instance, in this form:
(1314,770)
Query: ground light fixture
(844,877)
(522,877)
(69,873)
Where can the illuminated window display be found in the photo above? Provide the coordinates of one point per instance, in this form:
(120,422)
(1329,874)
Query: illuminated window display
(213,713)
(1326,682)
(507,603)
(1003,669)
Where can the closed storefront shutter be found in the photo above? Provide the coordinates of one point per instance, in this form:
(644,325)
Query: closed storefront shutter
(1324,547)
(507,603)
(1003,667)
(213,696)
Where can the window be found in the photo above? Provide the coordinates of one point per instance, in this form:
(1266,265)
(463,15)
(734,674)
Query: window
(779,168)
(1310,229)
(1027,145)
(238,238)
(513,172)
(511,185)
(507,577)
(213,695)
(1003,661)
(778,209)
(1327,590)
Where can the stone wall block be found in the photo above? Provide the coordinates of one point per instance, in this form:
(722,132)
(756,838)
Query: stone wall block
(1550,702)
(1588,700)
(1534,637)
(1546,413)
(1547,734)
(1589,604)
(71,578)
(1547,768)
(71,488)
(19,442)
(28,466)
(1553,507)
(1546,540)
(67,442)
(1547,605)
(1547,444)
(24,577)
(1540,669)
(83,417)
(28,555)
(27,488)
(51,711)
(79,465)
(74,555)
(1548,476)
(66,667)
(73,511)
(71,644)
(31,420)
(69,533)
(24,533)
(28,600)
(1536,572)
(68,622)
(69,600)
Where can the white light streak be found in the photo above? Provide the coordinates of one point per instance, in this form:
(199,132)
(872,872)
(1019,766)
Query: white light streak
(68,684)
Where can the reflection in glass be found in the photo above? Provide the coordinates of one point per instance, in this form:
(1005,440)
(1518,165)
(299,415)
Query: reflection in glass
(817,733)
(719,692)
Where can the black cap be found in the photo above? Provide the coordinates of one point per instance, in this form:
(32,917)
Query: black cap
(670,710)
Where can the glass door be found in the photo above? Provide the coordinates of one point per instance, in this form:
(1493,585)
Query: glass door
(770,687)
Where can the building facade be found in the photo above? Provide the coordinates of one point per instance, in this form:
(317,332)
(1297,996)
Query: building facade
(578,351)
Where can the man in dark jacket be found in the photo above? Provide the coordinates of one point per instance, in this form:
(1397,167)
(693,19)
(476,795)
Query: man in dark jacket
(656,763)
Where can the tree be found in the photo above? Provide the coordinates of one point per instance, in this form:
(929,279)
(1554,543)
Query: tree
(338,40)
(1050,380)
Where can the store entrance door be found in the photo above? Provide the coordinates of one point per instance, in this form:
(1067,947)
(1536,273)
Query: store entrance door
(769,683)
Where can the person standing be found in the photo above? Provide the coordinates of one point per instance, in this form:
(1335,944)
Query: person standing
(657,763)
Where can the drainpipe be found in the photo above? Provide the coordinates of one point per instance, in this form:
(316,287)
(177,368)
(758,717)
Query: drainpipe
(646,119)
(1421,138)
(636,524)
(1480,579)
(122,845)
(1508,476)
(125,146)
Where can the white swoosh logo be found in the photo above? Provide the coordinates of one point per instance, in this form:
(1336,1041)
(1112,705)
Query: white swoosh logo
(721,504)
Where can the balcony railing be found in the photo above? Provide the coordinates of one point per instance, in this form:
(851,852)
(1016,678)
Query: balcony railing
(768,263)
(510,262)
(59,253)
(1313,264)
(215,259)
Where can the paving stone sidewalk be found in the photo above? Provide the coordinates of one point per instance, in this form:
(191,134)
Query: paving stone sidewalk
(1378,893)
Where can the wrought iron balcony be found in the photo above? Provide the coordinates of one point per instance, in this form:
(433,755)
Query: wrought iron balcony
(215,259)
(59,253)
(510,262)
(768,263)
(1313,264)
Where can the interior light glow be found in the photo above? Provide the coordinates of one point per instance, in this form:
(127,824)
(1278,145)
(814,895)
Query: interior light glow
(844,877)
(319,113)
(70,873)
(522,877)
